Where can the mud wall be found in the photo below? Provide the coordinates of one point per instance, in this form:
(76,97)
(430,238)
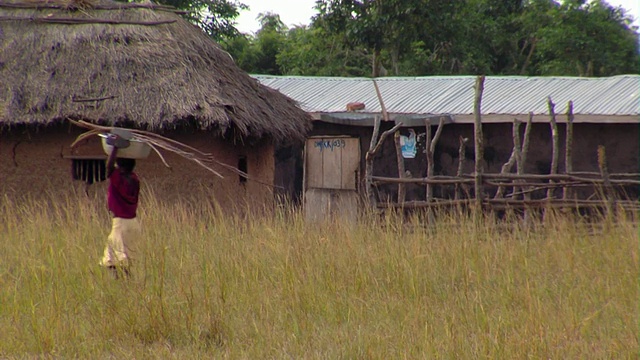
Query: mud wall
(33,163)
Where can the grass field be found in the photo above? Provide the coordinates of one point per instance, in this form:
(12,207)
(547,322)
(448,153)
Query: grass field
(211,286)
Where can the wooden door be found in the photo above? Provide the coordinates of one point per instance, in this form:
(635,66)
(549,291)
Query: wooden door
(332,163)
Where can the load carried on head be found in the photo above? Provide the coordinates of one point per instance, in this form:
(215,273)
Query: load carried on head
(128,147)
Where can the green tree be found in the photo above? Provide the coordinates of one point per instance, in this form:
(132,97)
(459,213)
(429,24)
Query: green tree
(243,51)
(441,37)
(258,53)
(215,17)
(314,51)
(377,25)
(269,40)
(454,38)
(587,39)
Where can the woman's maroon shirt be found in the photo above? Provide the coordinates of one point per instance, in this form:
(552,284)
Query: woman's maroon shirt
(122,195)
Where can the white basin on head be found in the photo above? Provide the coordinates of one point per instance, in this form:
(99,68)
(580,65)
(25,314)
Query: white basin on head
(136,150)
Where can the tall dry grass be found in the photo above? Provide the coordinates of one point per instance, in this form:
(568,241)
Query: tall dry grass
(210,285)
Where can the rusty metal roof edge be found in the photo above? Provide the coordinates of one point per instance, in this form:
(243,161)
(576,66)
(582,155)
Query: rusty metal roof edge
(368,119)
(413,120)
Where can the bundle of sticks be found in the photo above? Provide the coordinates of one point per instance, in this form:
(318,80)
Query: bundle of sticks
(158,142)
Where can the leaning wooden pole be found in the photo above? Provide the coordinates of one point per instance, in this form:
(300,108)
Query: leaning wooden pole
(506,168)
(396,140)
(479,143)
(568,148)
(374,147)
(555,144)
(383,108)
(522,159)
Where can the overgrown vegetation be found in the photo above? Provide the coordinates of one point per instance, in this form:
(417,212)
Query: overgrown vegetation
(208,285)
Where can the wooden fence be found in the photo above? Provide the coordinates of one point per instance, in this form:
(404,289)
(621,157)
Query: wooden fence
(511,190)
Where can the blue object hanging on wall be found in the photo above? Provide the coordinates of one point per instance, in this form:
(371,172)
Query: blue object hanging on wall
(408,145)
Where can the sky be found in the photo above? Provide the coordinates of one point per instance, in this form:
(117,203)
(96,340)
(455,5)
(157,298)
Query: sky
(299,12)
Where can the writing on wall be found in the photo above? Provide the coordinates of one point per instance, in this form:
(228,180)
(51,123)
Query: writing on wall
(329,144)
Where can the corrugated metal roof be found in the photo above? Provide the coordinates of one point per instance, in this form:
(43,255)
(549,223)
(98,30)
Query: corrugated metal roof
(617,95)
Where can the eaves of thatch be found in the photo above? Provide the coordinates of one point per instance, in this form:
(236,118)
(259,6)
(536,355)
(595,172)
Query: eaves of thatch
(113,63)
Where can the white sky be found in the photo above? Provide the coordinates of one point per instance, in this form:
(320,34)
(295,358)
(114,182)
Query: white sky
(299,12)
(292,12)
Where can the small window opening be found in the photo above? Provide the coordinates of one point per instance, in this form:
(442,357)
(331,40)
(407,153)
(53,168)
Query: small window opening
(242,166)
(90,169)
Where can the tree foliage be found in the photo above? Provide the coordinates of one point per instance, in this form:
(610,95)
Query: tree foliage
(377,25)
(442,37)
(587,40)
(215,17)
(315,51)
(257,54)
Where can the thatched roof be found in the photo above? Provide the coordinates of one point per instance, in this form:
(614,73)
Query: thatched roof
(110,62)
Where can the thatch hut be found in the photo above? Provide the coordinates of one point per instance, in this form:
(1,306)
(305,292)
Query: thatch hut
(136,65)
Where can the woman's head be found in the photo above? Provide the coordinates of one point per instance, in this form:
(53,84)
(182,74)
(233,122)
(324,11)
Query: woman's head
(126,164)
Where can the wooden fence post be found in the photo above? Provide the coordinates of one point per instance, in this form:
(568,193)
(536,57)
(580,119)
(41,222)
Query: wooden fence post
(479,141)
(506,168)
(517,145)
(431,149)
(461,159)
(555,144)
(400,160)
(568,148)
(523,155)
(608,191)
(368,159)
(429,156)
